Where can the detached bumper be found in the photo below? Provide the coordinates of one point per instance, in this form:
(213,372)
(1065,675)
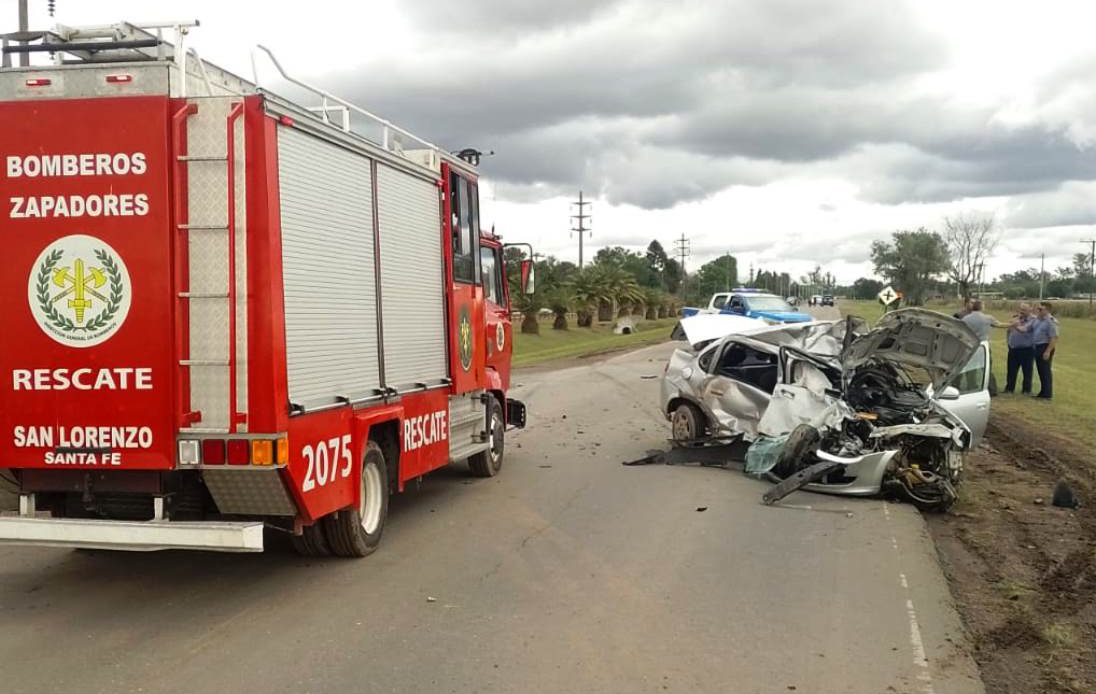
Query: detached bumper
(138,536)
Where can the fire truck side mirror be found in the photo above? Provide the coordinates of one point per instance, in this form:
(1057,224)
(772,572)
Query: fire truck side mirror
(528,279)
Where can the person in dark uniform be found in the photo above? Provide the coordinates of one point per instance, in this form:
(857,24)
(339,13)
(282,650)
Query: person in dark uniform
(1045,339)
(1021,350)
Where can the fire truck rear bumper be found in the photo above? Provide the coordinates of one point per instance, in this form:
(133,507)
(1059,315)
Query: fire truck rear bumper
(139,536)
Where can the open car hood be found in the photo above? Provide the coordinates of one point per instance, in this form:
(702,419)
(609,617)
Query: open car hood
(915,338)
(702,328)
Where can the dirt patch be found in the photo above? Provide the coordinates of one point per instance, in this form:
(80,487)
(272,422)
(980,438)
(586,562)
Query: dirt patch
(1022,571)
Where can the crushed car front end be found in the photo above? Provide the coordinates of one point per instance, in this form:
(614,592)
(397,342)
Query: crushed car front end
(852,407)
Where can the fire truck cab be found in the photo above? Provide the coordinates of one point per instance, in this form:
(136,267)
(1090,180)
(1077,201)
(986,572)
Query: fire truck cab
(228,311)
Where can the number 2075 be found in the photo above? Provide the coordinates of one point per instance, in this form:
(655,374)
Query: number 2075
(327,460)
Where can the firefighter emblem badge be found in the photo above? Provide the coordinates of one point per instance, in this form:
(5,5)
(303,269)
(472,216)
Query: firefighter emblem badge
(464,338)
(79,291)
(500,337)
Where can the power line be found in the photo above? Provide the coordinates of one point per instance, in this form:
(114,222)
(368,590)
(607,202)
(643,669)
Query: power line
(682,250)
(581,229)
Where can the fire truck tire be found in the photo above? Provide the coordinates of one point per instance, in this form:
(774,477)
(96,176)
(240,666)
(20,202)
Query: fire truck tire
(356,532)
(311,542)
(488,463)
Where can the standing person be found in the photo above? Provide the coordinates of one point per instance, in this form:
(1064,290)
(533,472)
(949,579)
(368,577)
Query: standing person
(1021,349)
(1045,339)
(965,311)
(980,324)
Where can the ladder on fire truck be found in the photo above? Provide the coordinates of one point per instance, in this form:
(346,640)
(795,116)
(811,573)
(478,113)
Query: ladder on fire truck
(218,226)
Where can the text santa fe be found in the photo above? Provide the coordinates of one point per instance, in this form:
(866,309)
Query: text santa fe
(81,165)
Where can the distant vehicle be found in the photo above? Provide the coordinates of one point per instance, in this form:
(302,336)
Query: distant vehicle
(752,303)
(827,300)
(816,300)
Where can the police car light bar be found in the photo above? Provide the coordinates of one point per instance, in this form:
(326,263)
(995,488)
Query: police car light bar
(747,290)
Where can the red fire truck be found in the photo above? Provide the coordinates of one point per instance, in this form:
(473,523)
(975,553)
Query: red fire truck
(225,311)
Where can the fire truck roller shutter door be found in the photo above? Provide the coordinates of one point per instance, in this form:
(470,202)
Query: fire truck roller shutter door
(412,280)
(328,266)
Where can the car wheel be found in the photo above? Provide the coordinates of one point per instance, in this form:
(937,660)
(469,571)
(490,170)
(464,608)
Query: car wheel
(797,450)
(489,462)
(356,532)
(688,423)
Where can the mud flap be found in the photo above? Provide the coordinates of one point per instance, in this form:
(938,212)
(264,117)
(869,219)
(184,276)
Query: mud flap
(798,481)
(515,413)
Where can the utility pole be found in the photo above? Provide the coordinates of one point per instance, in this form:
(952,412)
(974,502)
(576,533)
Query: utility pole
(581,228)
(24,58)
(682,250)
(1091,269)
(1042,274)
(727,267)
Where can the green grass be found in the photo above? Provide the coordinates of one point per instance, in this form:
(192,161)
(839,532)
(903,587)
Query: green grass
(580,342)
(1072,412)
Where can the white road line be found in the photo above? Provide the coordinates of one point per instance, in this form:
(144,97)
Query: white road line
(920,659)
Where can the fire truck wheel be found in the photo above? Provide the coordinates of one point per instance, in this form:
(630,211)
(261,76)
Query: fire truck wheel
(311,542)
(488,463)
(356,532)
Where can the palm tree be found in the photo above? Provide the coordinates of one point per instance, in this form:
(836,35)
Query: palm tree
(529,305)
(588,289)
(559,300)
(652,299)
(628,295)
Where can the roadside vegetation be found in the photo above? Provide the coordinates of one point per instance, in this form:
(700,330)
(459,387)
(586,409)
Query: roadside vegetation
(552,345)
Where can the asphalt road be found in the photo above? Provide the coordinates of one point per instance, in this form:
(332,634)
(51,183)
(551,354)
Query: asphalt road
(568,573)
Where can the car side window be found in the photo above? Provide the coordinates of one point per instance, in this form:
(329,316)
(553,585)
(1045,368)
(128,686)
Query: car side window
(973,376)
(736,302)
(720,302)
(747,365)
(705,360)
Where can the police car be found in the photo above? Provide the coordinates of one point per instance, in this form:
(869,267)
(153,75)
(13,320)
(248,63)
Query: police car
(752,303)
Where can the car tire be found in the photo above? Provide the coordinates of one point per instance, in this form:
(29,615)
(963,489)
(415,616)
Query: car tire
(797,451)
(687,423)
(356,531)
(489,462)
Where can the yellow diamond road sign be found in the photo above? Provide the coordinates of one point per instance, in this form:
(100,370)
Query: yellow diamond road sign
(888,296)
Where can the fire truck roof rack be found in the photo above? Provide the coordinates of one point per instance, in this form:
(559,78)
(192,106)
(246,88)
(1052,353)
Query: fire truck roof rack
(145,42)
(123,42)
(107,43)
(392,136)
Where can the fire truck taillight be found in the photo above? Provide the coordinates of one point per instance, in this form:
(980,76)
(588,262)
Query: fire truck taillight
(119,79)
(213,452)
(39,82)
(239,452)
(283,451)
(262,452)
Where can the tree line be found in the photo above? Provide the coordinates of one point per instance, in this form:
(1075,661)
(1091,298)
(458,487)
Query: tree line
(617,283)
(922,263)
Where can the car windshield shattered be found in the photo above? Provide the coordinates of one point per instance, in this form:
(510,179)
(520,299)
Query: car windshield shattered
(833,406)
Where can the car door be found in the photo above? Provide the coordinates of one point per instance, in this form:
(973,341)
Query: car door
(736,387)
(967,396)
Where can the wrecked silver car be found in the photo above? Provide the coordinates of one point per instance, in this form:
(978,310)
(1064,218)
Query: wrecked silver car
(831,406)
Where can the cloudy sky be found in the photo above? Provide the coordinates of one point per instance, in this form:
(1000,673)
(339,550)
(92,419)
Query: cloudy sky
(788,132)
